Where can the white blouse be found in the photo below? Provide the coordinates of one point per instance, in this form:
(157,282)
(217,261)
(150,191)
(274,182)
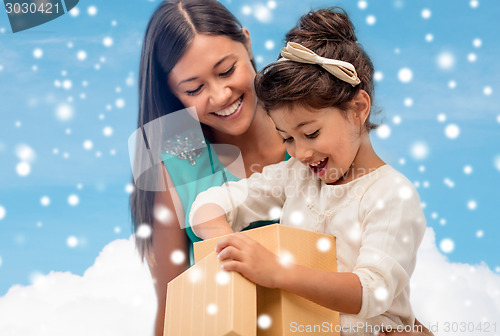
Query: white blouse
(377,221)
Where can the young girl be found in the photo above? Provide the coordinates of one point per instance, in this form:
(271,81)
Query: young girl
(319,96)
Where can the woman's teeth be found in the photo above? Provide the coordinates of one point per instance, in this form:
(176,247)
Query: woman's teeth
(230,110)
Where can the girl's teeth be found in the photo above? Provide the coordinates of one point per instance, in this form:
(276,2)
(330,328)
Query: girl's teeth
(317,163)
(229,110)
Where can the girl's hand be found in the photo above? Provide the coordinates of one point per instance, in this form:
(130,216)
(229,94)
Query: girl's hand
(244,255)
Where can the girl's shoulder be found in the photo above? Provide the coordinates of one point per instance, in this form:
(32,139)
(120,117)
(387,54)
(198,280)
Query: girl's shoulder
(387,183)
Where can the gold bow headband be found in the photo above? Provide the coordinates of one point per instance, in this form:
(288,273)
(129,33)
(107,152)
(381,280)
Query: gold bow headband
(344,71)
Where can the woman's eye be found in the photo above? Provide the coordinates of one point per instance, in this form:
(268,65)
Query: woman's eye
(290,139)
(194,92)
(312,135)
(228,72)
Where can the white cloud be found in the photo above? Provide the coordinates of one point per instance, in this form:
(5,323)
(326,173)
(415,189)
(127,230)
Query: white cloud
(444,292)
(115,296)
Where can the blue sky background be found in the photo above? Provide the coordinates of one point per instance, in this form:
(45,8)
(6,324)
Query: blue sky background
(69,97)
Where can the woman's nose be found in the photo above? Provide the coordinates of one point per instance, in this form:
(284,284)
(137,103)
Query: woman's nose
(220,96)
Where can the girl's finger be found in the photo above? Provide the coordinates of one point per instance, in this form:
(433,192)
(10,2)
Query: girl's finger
(231,240)
(230,252)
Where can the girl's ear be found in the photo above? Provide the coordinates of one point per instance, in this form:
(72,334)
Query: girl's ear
(248,43)
(361,104)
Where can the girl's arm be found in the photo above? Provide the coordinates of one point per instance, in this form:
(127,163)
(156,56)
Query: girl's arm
(234,205)
(338,291)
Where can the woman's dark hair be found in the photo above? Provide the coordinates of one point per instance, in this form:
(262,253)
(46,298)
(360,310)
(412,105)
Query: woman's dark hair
(329,33)
(169,34)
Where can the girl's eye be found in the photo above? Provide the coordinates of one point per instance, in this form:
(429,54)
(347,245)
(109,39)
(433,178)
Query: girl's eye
(194,92)
(313,135)
(228,72)
(290,139)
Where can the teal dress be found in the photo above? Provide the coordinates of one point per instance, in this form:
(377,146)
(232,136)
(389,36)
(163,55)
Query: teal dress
(195,172)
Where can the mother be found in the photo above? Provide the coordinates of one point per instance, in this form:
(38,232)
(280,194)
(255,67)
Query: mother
(196,53)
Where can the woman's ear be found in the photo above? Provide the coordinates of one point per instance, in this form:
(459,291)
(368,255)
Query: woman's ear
(361,104)
(248,43)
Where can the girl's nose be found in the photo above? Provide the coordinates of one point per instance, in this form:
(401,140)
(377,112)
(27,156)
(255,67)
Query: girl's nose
(303,153)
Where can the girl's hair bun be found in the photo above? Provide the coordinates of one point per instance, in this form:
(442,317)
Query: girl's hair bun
(330,24)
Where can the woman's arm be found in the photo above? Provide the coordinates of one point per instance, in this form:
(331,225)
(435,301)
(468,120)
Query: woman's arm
(167,238)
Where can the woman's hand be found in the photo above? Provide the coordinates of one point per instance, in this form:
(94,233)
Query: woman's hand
(244,255)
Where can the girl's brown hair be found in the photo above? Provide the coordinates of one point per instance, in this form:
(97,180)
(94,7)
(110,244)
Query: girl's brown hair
(329,33)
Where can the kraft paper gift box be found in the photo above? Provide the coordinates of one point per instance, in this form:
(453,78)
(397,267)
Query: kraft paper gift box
(288,312)
(207,301)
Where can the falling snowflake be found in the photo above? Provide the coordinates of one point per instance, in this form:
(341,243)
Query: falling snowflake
(397,120)
(447,245)
(408,102)
(296,217)
(23,169)
(405,192)
(107,131)
(405,75)
(38,53)
(429,37)
(479,233)
(477,43)
(472,57)
(272,4)
(381,293)
(275,212)
(120,103)
(88,144)
(45,201)
(269,45)
(92,11)
(81,55)
(383,131)
(378,76)
(129,188)
(262,13)
(264,321)
(419,150)
(362,4)
(25,153)
(452,84)
(441,117)
(212,309)
(452,131)
(222,278)
(487,90)
(449,183)
(74,12)
(72,241)
(286,258)
(468,170)
(73,200)
(474,3)
(143,231)
(446,61)
(162,214)
(324,244)
(3,212)
(371,20)
(426,13)
(107,41)
(177,257)
(472,205)
(246,10)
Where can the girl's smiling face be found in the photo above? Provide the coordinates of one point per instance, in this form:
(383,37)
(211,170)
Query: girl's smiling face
(326,140)
(216,75)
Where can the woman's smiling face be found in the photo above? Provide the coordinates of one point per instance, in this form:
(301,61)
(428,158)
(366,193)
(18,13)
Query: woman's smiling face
(216,76)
